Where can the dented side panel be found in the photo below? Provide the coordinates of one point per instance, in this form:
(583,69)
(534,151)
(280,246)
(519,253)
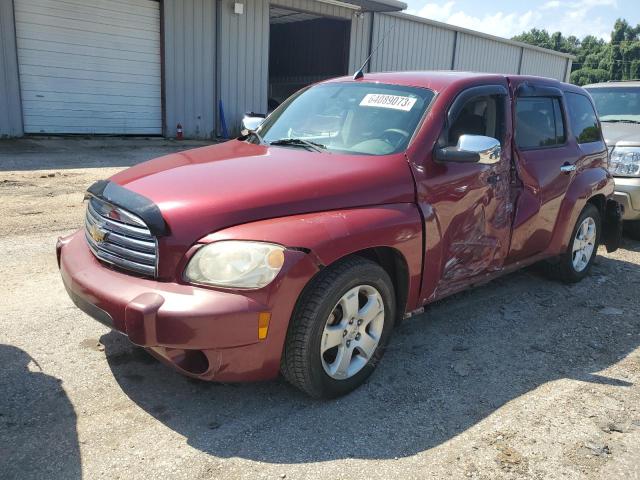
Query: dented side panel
(329,236)
(467,211)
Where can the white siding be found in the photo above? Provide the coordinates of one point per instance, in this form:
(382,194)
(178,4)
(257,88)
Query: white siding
(89,66)
(535,62)
(359,41)
(410,45)
(189,65)
(243,60)
(478,54)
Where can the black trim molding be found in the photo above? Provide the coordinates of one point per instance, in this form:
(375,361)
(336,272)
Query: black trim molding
(132,202)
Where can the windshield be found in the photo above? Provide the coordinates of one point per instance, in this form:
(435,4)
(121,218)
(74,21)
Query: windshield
(359,118)
(617,104)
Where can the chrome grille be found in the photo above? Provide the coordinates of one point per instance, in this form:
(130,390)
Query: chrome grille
(120,238)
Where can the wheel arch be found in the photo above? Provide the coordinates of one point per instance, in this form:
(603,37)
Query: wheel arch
(591,186)
(395,264)
(599,201)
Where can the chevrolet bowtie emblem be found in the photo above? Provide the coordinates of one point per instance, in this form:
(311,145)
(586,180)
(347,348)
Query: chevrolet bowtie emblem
(97,233)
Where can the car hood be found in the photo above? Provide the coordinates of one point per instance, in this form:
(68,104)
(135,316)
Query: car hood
(206,189)
(624,133)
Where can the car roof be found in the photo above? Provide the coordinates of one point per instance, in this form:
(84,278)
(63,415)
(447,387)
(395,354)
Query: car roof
(440,79)
(629,83)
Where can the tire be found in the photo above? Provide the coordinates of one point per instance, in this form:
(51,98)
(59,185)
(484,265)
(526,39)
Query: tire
(318,320)
(632,228)
(566,269)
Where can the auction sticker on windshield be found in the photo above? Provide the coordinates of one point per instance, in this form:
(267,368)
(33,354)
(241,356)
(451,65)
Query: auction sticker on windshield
(395,102)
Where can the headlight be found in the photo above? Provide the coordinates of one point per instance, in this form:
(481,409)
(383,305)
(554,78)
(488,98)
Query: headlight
(625,162)
(236,264)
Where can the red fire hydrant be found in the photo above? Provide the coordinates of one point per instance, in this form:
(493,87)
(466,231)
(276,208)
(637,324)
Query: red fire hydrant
(179,132)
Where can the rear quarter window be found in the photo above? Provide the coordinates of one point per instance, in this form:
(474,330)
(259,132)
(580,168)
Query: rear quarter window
(583,119)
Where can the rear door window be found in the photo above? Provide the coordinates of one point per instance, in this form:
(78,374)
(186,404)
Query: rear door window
(539,122)
(584,122)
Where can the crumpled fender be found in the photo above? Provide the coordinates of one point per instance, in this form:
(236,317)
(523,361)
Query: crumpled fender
(586,184)
(331,235)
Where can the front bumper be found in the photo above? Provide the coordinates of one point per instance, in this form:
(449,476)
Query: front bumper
(203,332)
(627,193)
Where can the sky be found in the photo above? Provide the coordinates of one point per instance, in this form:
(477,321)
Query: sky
(506,18)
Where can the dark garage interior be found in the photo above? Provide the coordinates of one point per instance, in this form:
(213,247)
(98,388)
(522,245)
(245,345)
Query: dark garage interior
(304,48)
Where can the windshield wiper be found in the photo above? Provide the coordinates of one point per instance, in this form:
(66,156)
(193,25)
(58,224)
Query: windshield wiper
(620,120)
(301,142)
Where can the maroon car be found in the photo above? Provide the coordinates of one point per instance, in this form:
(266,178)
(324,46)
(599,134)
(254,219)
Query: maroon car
(297,247)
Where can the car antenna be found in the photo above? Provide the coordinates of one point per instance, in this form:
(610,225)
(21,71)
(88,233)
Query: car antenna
(360,72)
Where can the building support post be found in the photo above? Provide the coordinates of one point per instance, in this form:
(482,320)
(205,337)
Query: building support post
(455,50)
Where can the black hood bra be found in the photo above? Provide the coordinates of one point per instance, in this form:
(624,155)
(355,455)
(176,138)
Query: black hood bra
(132,202)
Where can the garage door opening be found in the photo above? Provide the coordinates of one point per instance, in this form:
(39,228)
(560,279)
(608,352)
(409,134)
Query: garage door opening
(304,48)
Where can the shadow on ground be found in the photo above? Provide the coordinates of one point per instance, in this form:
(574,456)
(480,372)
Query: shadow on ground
(443,372)
(70,152)
(38,436)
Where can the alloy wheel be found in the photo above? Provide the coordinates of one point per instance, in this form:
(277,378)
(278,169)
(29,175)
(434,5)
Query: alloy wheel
(583,244)
(352,332)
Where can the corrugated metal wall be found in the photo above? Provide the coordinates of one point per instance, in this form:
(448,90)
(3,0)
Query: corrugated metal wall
(359,41)
(210,56)
(535,62)
(243,51)
(414,43)
(10,107)
(478,54)
(189,67)
(410,45)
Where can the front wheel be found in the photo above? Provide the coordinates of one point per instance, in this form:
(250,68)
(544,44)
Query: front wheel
(339,329)
(576,262)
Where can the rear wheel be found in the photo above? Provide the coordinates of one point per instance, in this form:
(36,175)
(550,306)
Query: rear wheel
(339,329)
(576,262)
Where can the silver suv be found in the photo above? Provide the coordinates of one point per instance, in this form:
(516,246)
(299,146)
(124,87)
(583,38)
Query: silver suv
(618,105)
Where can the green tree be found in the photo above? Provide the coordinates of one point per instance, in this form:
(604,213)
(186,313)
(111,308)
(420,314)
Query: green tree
(586,75)
(615,70)
(596,60)
(635,70)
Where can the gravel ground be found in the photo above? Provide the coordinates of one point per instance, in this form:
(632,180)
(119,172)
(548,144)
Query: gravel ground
(521,378)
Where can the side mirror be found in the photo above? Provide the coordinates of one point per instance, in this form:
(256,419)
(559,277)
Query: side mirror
(471,149)
(251,120)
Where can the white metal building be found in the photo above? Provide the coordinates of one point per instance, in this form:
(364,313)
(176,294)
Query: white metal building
(140,67)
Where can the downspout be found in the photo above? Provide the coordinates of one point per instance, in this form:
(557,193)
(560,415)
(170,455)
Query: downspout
(455,50)
(520,61)
(217,88)
(370,40)
(567,70)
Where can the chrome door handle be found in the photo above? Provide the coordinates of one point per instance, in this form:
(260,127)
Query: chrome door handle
(567,168)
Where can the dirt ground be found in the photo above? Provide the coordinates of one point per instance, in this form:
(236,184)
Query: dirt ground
(521,378)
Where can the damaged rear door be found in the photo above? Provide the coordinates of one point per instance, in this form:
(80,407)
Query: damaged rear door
(546,161)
